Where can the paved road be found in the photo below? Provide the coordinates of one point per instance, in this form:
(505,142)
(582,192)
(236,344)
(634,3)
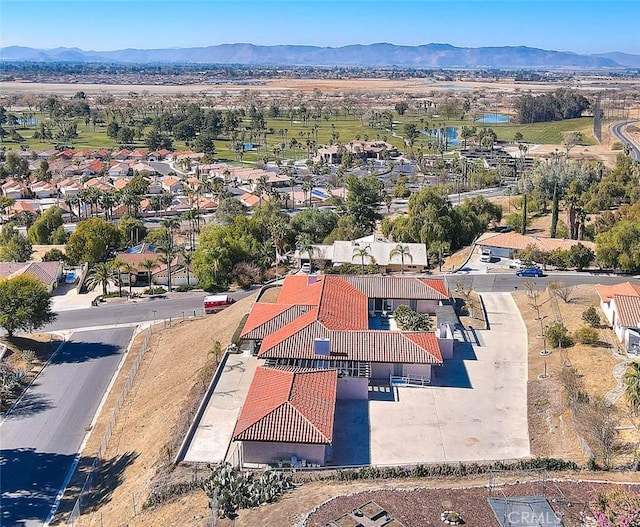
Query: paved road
(509,282)
(618,130)
(40,439)
(176,306)
(186,304)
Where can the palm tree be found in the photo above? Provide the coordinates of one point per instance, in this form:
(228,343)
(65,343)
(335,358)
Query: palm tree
(440,247)
(362,253)
(100,274)
(148,264)
(402,251)
(169,252)
(187,258)
(170,224)
(304,243)
(118,265)
(631,380)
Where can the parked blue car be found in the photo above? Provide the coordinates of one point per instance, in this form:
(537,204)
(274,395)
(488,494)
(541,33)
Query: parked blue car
(529,271)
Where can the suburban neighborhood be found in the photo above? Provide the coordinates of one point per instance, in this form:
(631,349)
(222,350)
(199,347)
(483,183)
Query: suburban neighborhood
(320,296)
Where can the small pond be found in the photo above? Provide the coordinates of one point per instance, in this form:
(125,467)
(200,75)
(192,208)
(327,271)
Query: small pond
(492,118)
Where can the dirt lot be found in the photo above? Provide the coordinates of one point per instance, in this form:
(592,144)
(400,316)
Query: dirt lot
(551,427)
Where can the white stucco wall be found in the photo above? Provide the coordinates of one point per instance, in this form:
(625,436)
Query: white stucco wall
(607,309)
(381,370)
(418,370)
(263,452)
(353,388)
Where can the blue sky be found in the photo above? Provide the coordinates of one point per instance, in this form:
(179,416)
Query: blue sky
(587,26)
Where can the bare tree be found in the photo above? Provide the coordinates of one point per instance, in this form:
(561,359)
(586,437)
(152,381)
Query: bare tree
(561,290)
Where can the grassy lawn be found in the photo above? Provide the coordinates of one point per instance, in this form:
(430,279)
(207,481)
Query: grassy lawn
(346,129)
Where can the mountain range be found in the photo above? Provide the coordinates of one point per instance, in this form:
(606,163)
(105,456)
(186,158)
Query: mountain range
(379,55)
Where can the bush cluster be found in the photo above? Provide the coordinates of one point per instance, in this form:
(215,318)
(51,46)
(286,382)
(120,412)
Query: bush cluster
(410,320)
(455,470)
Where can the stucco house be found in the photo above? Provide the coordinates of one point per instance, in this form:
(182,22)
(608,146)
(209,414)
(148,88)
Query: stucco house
(508,244)
(287,417)
(344,322)
(49,273)
(621,306)
(378,250)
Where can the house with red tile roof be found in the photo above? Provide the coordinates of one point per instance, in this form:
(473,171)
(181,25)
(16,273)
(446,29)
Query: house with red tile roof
(621,306)
(121,155)
(288,415)
(15,189)
(345,322)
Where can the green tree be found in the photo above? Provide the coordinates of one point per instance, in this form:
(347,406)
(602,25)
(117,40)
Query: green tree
(25,304)
(99,275)
(14,247)
(93,241)
(364,196)
(54,255)
(362,253)
(591,316)
(631,380)
(403,251)
(42,229)
(148,264)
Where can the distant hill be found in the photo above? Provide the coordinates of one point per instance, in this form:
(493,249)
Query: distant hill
(624,59)
(381,55)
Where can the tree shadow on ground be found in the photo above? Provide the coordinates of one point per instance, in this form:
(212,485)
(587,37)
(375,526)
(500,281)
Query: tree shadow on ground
(78,351)
(30,404)
(30,481)
(109,476)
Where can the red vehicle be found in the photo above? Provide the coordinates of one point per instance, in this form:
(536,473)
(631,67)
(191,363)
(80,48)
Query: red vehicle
(215,303)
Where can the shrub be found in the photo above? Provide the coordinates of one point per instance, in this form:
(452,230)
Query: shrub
(29,357)
(591,316)
(116,294)
(410,320)
(240,490)
(617,145)
(558,335)
(154,291)
(586,335)
(184,288)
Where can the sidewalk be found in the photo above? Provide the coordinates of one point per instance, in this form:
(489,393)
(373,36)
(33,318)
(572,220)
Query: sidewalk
(66,298)
(213,435)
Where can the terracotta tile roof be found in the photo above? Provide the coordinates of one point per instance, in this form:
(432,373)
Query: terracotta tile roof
(607,292)
(437,284)
(343,306)
(286,332)
(628,308)
(136,259)
(296,290)
(365,346)
(290,406)
(398,287)
(265,319)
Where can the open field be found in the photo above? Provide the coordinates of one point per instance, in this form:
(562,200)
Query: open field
(417,85)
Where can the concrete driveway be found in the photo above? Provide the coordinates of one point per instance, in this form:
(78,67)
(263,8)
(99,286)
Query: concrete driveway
(475,410)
